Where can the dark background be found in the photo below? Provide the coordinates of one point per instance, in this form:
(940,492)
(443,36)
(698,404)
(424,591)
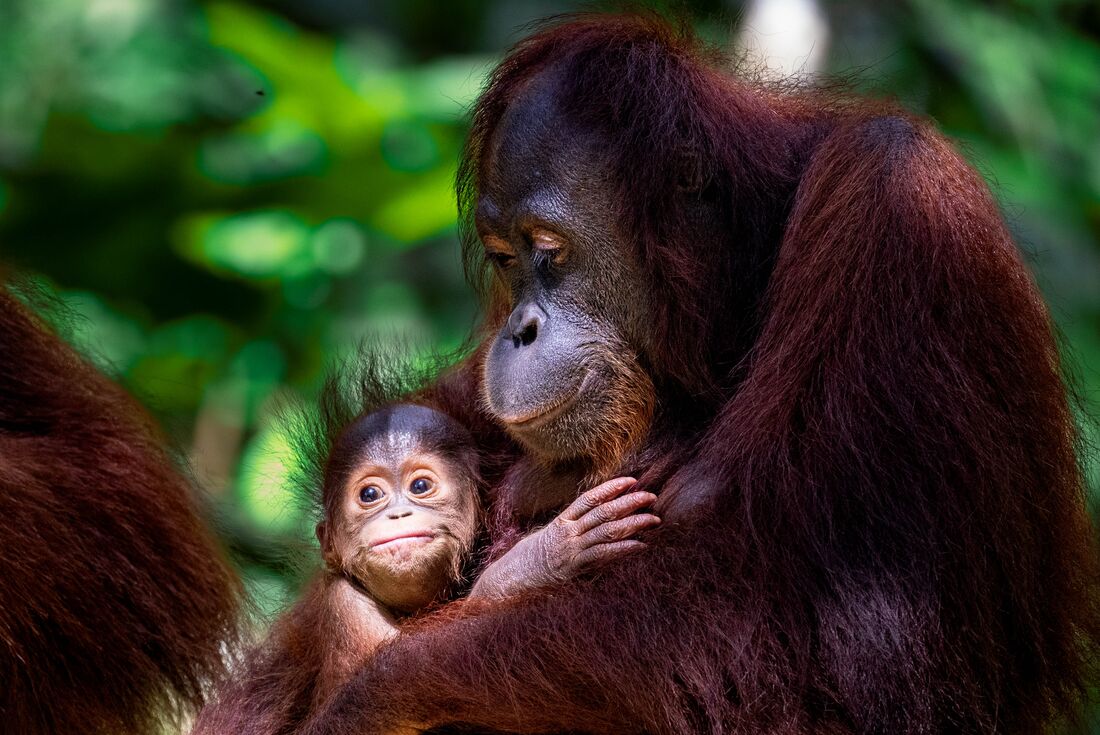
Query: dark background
(230,195)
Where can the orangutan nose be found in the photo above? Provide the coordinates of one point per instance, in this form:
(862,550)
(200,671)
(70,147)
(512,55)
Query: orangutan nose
(524,324)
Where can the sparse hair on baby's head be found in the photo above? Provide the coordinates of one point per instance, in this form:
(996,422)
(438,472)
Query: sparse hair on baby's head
(361,397)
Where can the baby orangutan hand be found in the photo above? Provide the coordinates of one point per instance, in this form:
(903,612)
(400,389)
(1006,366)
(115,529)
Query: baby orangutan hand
(596,527)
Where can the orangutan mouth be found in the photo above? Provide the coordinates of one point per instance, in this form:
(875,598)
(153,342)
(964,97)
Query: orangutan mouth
(546,415)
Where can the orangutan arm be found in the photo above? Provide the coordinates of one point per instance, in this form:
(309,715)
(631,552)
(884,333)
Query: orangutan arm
(544,662)
(357,626)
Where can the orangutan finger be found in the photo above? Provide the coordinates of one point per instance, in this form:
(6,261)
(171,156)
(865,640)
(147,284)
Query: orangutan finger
(596,497)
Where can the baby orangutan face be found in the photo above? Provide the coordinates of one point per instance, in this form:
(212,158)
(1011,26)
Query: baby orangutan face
(401,511)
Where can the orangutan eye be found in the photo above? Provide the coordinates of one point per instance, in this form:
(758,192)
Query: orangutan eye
(499,252)
(371,494)
(542,260)
(501,260)
(548,248)
(420,486)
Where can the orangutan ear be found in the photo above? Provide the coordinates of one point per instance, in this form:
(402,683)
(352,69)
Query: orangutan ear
(691,172)
(328,550)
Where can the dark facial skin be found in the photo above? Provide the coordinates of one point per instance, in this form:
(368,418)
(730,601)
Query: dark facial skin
(403,512)
(563,375)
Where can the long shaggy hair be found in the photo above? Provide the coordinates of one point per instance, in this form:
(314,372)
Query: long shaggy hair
(878,523)
(116,605)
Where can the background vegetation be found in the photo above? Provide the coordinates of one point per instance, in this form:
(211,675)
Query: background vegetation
(228,195)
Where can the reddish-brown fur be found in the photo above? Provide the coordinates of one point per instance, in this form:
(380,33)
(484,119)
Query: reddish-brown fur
(286,677)
(874,513)
(115,602)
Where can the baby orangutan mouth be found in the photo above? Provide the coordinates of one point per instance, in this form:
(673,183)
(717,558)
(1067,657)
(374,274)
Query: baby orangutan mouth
(413,537)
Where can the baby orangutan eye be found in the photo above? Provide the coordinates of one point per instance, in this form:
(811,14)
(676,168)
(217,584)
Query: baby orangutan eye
(371,494)
(420,486)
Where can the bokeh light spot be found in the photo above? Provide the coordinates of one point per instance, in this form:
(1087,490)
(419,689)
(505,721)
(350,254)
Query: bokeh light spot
(265,484)
(338,246)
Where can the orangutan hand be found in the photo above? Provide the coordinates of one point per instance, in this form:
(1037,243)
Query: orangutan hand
(597,527)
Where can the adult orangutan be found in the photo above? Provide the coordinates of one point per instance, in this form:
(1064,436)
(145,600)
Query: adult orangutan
(115,605)
(801,322)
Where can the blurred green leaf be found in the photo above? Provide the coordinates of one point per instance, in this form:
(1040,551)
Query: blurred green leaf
(283,150)
(338,246)
(423,209)
(114,341)
(258,245)
(264,482)
(180,360)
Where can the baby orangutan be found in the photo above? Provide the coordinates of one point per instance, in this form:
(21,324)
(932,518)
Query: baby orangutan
(401,516)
